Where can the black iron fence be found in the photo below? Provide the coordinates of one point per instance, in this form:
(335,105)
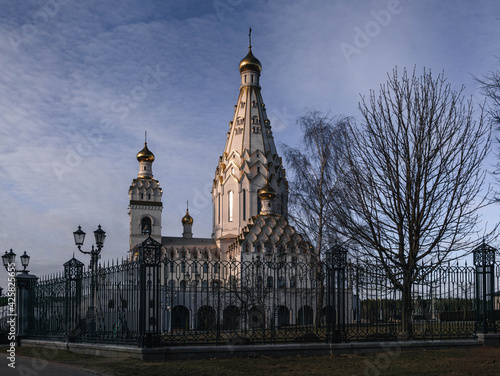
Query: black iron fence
(163,302)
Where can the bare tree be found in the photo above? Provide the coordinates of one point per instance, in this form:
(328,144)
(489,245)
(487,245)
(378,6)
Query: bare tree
(412,179)
(491,89)
(313,178)
(313,183)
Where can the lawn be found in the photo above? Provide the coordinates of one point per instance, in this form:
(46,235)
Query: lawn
(456,362)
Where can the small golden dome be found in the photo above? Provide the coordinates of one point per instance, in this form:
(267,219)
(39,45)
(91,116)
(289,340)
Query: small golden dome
(187,219)
(145,155)
(267,192)
(250,62)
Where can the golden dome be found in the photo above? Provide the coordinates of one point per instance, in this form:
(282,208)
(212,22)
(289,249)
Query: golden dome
(250,62)
(187,219)
(145,155)
(267,192)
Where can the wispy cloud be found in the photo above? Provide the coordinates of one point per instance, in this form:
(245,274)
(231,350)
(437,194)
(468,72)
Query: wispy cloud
(81,81)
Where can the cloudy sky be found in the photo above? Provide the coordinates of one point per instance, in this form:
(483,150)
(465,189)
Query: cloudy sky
(81,81)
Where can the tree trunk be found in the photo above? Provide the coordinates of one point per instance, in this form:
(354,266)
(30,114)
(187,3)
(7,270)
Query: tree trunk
(406,314)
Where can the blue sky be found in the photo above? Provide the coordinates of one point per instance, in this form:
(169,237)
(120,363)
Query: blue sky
(82,80)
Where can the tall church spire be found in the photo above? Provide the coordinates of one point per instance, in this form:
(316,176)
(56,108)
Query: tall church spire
(248,161)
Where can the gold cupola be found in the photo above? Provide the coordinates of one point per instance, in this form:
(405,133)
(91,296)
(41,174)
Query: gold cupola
(267,192)
(187,219)
(145,155)
(250,62)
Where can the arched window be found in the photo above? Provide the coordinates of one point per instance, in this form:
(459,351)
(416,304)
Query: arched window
(146,226)
(230,206)
(244,204)
(281,282)
(270,282)
(293,282)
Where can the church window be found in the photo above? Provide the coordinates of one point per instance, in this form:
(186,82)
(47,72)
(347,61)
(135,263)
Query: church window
(293,282)
(244,204)
(230,206)
(183,267)
(254,104)
(183,285)
(258,248)
(142,196)
(204,285)
(242,104)
(218,209)
(281,282)
(171,284)
(146,226)
(270,282)
(149,196)
(144,168)
(246,247)
(205,268)
(216,268)
(251,77)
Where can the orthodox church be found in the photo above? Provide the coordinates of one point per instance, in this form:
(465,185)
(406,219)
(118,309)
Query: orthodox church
(249,192)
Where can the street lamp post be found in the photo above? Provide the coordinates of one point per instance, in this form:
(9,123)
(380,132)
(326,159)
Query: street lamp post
(21,290)
(94,253)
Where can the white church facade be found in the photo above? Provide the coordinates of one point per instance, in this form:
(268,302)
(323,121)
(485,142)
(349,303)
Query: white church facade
(249,191)
(250,227)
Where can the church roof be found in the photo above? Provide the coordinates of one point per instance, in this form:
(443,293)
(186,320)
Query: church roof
(270,229)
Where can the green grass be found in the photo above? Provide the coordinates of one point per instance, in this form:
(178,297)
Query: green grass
(456,362)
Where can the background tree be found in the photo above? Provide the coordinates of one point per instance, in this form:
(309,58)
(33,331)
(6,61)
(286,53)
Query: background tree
(412,178)
(313,183)
(491,89)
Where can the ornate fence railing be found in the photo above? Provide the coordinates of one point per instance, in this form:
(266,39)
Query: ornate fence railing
(162,302)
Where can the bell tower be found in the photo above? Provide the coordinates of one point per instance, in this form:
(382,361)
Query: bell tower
(249,161)
(145,201)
